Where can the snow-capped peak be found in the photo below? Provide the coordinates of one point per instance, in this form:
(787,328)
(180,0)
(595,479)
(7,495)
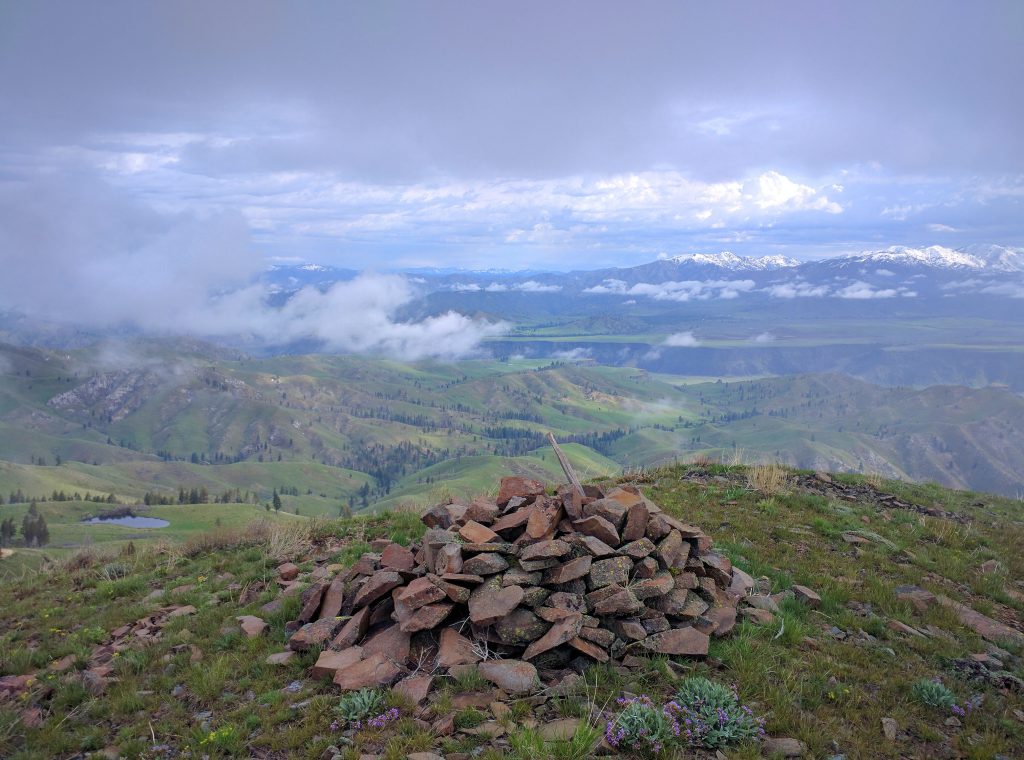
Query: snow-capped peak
(729,260)
(990,257)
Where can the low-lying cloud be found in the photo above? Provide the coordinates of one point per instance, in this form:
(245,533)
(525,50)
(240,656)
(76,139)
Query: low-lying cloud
(863,291)
(686,290)
(681,340)
(87,255)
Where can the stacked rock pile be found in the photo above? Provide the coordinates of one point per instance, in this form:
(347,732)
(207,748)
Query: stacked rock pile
(526,580)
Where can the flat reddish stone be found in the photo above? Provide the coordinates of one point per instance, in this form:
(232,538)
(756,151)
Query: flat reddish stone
(420,592)
(599,528)
(331,661)
(414,688)
(620,604)
(636,521)
(560,632)
(985,627)
(545,550)
(426,617)
(514,676)
(485,564)
(288,571)
(543,521)
(380,583)
(625,497)
(353,630)
(483,511)
(314,634)
(595,546)
(453,591)
(397,557)
(807,596)
(475,533)
(589,649)
(392,641)
(724,619)
(513,520)
(609,509)
(569,571)
(488,605)
(311,598)
(518,486)
(334,598)
(251,625)
(678,641)
(466,578)
(376,670)
(659,585)
(448,559)
(455,649)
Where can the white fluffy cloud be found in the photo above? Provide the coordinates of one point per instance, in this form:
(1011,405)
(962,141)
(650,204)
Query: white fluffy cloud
(681,340)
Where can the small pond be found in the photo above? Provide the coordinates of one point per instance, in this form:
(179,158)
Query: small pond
(131,521)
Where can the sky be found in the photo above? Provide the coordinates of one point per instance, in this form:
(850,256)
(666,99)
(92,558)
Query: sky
(146,142)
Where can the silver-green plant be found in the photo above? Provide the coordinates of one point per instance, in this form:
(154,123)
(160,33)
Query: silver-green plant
(708,714)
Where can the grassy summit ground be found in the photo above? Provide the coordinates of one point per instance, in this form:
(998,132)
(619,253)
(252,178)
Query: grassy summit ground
(825,676)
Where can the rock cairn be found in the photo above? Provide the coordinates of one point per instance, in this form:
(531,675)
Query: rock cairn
(523,582)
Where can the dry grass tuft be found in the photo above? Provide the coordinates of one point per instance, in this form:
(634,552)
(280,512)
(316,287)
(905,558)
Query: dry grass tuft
(770,479)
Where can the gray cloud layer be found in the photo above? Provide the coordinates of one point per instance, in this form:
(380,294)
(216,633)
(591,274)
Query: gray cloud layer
(529,134)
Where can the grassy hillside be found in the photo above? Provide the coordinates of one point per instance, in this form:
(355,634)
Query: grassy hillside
(825,676)
(341,431)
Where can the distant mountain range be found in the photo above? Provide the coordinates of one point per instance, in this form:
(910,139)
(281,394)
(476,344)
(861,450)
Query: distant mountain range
(900,269)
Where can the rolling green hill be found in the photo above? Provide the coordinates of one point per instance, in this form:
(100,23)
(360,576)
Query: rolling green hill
(337,433)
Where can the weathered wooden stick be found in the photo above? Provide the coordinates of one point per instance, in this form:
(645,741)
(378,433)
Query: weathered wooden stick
(564,461)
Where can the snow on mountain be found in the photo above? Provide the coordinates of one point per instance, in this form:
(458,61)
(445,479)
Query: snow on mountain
(994,258)
(729,260)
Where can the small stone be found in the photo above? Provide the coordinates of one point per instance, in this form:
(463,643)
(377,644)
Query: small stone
(921,599)
(252,626)
(512,520)
(448,559)
(990,566)
(453,591)
(783,747)
(514,676)
(762,602)
(807,596)
(890,729)
(353,629)
(594,546)
(719,567)
(483,511)
(673,551)
(723,619)
(288,571)
(659,585)
(636,521)
(761,617)
(609,509)
(391,641)
(280,658)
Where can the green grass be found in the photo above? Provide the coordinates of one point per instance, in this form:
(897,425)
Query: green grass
(806,683)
